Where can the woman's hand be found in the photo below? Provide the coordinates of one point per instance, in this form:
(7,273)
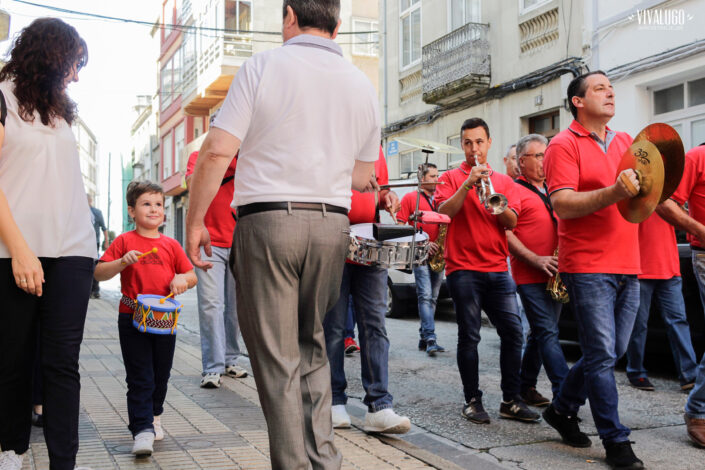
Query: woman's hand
(28,272)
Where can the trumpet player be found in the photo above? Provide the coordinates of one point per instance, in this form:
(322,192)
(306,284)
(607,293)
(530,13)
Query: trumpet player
(428,281)
(598,260)
(476,270)
(532,244)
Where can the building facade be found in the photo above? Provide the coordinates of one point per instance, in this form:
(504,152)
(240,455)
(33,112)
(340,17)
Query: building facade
(88,154)
(203,43)
(510,62)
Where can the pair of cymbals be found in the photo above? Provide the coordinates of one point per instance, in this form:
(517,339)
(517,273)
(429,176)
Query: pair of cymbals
(658,158)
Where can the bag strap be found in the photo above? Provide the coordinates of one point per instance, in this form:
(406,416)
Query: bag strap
(544,196)
(3,109)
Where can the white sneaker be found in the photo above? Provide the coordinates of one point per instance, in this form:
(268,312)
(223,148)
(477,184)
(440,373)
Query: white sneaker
(158,429)
(10,461)
(144,443)
(235,372)
(386,421)
(210,380)
(341,418)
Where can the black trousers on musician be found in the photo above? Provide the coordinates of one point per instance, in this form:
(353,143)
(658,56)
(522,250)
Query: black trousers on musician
(60,315)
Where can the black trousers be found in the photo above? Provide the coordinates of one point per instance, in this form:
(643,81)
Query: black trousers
(148,358)
(60,315)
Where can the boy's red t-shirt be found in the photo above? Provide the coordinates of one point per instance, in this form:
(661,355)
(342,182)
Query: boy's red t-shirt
(153,273)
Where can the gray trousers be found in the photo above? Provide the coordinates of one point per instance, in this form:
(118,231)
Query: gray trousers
(288,268)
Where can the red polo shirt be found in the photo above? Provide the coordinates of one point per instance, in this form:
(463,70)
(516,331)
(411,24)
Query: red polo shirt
(601,242)
(219,219)
(408,204)
(475,241)
(659,249)
(536,230)
(692,188)
(363,208)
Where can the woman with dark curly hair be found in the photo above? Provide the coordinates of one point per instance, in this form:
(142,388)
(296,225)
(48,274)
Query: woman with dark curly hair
(47,243)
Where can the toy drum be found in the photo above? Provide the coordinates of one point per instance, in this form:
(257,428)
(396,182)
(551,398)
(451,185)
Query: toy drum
(154,317)
(389,254)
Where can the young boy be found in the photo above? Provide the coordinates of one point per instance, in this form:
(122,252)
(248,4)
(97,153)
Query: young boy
(147,357)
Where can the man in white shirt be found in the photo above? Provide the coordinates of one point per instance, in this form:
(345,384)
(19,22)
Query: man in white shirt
(306,123)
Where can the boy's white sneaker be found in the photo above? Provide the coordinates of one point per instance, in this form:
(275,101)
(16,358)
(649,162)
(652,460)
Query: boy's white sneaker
(10,461)
(386,421)
(235,372)
(210,380)
(341,418)
(158,429)
(144,443)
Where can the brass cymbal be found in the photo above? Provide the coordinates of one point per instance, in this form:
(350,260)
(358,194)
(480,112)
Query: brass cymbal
(668,142)
(429,145)
(644,158)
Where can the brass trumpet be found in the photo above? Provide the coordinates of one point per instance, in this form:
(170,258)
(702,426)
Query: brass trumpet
(494,202)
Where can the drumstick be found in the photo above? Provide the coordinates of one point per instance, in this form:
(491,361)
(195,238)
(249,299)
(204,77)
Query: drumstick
(153,250)
(162,300)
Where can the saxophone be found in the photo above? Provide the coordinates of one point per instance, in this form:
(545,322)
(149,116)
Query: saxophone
(438,262)
(558,290)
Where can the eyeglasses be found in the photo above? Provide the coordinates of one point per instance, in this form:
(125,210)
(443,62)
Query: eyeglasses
(539,156)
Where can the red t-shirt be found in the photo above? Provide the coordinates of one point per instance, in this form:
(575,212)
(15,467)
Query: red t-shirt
(475,240)
(362,208)
(692,188)
(536,230)
(659,249)
(219,219)
(153,273)
(408,204)
(601,242)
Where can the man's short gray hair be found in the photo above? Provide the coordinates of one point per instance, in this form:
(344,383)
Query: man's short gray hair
(526,140)
(509,150)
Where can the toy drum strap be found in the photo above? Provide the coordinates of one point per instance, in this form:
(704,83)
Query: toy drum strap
(154,317)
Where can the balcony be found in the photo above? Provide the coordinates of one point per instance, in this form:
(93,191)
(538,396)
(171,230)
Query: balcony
(216,67)
(456,65)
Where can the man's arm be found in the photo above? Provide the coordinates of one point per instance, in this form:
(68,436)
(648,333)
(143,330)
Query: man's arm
(571,204)
(214,158)
(546,264)
(672,213)
(362,176)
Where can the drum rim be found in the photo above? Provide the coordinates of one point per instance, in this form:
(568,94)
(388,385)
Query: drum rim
(373,242)
(171,305)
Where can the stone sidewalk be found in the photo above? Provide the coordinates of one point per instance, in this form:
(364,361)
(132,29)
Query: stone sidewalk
(210,429)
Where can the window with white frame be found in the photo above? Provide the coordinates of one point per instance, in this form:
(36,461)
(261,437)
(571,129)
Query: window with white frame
(238,16)
(683,107)
(167,155)
(528,5)
(165,88)
(454,158)
(180,143)
(365,42)
(462,12)
(410,32)
(409,162)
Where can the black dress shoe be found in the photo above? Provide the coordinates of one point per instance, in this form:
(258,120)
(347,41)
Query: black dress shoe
(567,427)
(620,456)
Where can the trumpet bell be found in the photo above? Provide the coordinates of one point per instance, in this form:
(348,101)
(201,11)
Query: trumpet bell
(645,159)
(496,203)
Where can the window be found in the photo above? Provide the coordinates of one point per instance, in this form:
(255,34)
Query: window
(528,5)
(167,155)
(410,31)
(409,162)
(238,16)
(547,124)
(683,107)
(463,12)
(197,126)
(365,42)
(165,91)
(180,142)
(453,160)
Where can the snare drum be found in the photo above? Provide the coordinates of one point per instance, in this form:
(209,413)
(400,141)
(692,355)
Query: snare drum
(389,254)
(151,316)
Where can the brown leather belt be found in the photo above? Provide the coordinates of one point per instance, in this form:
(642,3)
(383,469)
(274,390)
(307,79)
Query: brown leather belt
(256,207)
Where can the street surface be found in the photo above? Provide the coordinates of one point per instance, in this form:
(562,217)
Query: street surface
(429,391)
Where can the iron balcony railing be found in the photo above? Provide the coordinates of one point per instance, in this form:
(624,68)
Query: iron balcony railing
(456,62)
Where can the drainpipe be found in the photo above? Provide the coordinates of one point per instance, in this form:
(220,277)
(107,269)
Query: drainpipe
(386,95)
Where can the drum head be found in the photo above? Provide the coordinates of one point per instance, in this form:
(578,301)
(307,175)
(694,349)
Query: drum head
(148,300)
(365,231)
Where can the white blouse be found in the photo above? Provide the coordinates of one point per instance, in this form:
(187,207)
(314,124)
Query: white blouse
(40,174)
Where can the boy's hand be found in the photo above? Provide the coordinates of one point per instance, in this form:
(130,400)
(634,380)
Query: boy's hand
(178,285)
(131,257)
